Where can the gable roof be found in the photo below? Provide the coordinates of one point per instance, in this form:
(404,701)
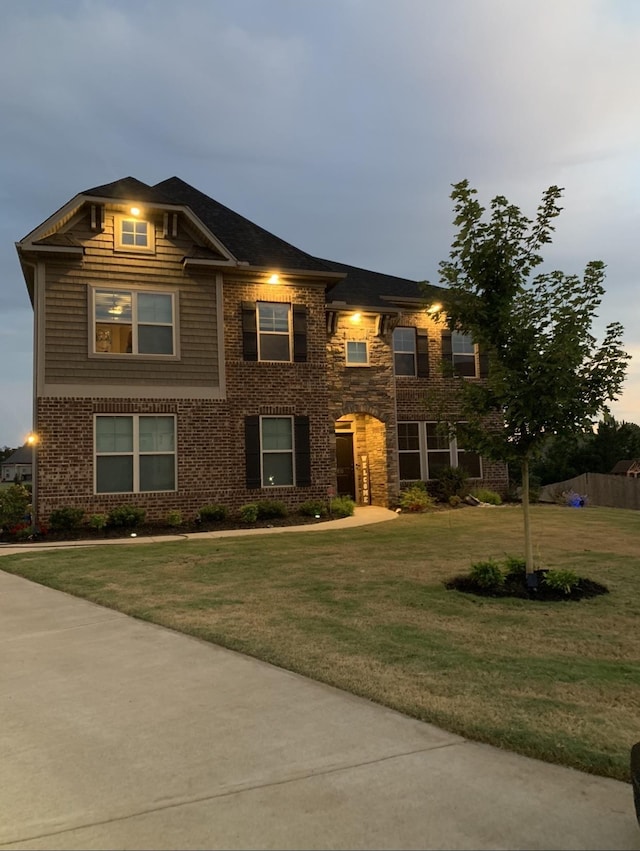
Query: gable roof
(23,455)
(623,467)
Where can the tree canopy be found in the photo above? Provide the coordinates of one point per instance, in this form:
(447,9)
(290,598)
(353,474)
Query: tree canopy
(547,373)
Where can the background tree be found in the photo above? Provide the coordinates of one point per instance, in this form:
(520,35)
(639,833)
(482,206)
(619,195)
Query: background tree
(547,375)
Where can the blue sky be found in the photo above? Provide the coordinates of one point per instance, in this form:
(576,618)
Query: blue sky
(338,125)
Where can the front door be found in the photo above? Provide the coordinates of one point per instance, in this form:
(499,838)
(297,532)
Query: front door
(346,477)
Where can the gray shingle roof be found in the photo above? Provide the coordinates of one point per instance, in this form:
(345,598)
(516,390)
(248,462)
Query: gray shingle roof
(257,246)
(23,455)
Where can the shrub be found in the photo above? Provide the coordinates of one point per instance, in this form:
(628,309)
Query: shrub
(342,506)
(98,521)
(561,580)
(451,481)
(313,508)
(487,574)
(126,516)
(488,496)
(174,518)
(416,499)
(454,501)
(249,512)
(270,508)
(212,512)
(65,519)
(14,505)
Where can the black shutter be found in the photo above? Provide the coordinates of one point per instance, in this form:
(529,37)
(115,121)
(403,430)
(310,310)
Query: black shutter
(249,331)
(252,451)
(447,353)
(483,359)
(422,348)
(303,452)
(299,333)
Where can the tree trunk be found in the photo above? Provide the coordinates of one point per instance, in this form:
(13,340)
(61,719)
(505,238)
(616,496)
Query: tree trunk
(528,546)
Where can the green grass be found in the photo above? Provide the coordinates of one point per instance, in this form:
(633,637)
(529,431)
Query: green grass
(366,610)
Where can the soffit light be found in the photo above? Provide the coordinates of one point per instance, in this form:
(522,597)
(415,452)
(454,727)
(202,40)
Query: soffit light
(435,308)
(274,279)
(355,318)
(135,211)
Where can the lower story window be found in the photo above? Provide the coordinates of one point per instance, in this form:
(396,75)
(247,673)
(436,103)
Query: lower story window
(135,453)
(276,444)
(425,448)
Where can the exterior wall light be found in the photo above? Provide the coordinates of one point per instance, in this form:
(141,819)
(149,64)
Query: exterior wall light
(435,308)
(355,318)
(274,279)
(135,211)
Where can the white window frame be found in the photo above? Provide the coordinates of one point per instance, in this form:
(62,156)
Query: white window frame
(469,357)
(288,334)
(349,362)
(454,451)
(264,452)
(412,351)
(119,245)
(135,323)
(135,453)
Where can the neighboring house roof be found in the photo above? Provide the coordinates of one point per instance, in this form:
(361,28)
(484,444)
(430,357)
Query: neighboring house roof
(623,467)
(23,455)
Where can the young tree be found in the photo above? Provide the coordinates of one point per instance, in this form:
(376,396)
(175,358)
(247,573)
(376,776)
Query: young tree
(547,375)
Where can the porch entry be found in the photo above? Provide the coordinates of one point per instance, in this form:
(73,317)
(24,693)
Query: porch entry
(361,458)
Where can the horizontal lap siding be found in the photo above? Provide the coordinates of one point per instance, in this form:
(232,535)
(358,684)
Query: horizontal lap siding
(68,325)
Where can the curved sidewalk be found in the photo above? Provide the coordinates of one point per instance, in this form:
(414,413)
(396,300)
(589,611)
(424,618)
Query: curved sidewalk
(363,516)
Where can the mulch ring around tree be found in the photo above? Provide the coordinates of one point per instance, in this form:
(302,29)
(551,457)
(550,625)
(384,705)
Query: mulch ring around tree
(516,586)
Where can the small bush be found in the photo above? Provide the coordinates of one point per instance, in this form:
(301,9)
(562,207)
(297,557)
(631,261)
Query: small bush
(270,508)
(174,518)
(14,505)
(416,499)
(212,512)
(561,580)
(249,512)
(98,521)
(488,496)
(313,508)
(342,506)
(126,516)
(65,519)
(454,501)
(487,574)
(451,481)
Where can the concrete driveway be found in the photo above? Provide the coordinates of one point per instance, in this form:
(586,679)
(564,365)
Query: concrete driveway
(118,734)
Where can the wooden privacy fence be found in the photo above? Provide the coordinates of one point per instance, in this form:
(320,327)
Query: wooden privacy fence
(600,489)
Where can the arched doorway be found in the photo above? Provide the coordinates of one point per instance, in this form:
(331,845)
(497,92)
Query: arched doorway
(361,458)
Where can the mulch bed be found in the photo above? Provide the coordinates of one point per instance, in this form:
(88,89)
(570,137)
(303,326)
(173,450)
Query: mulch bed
(516,586)
(149,530)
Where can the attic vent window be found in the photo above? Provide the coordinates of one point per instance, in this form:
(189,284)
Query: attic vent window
(132,234)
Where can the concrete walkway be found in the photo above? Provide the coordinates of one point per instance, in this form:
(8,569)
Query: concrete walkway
(119,734)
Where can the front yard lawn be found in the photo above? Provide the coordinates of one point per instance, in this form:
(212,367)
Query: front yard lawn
(366,610)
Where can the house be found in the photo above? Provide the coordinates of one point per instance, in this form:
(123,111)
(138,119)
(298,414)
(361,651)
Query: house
(18,466)
(185,356)
(627,468)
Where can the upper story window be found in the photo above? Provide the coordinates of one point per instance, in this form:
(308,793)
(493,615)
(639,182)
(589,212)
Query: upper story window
(133,322)
(463,353)
(274,331)
(134,234)
(356,353)
(404,351)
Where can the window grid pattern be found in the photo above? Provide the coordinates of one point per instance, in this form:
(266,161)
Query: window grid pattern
(274,331)
(134,453)
(424,448)
(404,351)
(133,322)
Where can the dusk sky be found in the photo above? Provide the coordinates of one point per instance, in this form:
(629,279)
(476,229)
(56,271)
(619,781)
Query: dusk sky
(337,125)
